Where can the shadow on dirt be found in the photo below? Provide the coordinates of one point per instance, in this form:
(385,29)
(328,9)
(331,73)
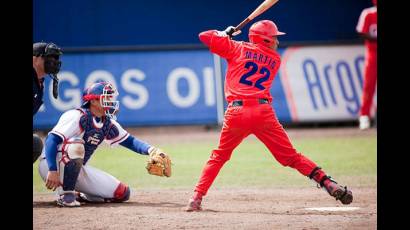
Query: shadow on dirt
(53,204)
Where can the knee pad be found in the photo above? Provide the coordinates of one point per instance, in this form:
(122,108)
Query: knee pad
(37,147)
(74,148)
(122,193)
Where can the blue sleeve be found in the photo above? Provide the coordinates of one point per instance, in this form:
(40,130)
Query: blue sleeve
(136,145)
(51,144)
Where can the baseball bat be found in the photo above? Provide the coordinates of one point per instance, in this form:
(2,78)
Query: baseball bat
(258,11)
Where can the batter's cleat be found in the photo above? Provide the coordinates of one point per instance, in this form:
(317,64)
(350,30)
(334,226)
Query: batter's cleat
(364,122)
(68,200)
(194,205)
(339,192)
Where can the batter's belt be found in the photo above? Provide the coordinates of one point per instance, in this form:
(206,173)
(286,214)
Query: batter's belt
(249,102)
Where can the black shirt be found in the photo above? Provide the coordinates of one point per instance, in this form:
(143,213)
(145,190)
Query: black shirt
(38,90)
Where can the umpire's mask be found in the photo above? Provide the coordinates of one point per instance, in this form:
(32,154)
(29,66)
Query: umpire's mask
(51,54)
(52,64)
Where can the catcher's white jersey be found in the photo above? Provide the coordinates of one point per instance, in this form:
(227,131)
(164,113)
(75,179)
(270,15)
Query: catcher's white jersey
(68,127)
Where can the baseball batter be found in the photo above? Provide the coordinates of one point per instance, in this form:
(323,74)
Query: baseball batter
(72,142)
(367,28)
(252,67)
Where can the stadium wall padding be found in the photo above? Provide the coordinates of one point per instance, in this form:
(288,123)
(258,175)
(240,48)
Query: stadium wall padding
(314,84)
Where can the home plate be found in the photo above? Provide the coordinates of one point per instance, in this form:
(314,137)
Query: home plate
(333,209)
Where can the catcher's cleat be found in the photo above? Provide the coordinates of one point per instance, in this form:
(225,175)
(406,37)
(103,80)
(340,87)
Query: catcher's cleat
(194,205)
(68,200)
(339,192)
(86,198)
(82,198)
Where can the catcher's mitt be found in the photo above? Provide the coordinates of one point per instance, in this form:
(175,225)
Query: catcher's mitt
(159,163)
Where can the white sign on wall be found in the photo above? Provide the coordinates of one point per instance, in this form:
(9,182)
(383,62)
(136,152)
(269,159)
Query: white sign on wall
(323,82)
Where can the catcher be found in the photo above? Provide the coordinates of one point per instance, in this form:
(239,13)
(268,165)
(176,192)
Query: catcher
(71,143)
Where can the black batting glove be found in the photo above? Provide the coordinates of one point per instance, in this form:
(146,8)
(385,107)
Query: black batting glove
(229,30)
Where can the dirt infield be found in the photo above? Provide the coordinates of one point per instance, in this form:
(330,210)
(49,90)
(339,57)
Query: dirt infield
(241,208)
(281,208)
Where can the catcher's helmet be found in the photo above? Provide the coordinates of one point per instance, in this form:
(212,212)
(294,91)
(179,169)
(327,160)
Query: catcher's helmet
(263,32)
(106,93)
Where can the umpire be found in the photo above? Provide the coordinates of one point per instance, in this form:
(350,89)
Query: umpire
(46,61)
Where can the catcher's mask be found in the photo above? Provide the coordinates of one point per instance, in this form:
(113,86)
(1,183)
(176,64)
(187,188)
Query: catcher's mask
(106,93)
(50,52)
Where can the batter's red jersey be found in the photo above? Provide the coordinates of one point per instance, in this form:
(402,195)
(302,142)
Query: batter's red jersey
(251,67)
(367,24)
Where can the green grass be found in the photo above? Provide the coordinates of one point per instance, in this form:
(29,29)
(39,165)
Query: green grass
(349,160)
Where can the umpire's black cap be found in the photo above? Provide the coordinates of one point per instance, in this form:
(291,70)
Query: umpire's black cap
(45,49)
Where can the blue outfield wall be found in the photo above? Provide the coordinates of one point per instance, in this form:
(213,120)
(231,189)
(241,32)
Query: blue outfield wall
(315,83)
(79,23)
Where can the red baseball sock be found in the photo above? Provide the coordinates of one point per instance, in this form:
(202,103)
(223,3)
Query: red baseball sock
(197,195)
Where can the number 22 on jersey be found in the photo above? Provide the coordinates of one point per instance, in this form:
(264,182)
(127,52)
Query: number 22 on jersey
(253,68)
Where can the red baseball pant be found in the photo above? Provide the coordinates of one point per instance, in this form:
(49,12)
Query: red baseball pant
(260,120)
(369,84)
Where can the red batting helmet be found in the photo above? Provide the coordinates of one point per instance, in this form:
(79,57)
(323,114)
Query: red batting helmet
(263,32)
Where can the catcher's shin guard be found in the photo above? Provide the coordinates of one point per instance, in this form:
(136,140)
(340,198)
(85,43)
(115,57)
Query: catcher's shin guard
(71,172)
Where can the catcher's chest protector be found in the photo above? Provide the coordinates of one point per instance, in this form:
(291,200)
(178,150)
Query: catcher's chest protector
(93,136)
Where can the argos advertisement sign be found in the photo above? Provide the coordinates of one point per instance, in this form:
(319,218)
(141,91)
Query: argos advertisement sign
(155,88)
(323,83)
